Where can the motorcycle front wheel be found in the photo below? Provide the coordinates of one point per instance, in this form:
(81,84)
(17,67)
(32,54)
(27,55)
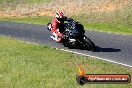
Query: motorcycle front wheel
(89,44)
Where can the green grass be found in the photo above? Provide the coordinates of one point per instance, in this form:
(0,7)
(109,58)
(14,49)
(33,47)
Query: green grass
(32,20)
(108,27)
(106,22)
(25,65)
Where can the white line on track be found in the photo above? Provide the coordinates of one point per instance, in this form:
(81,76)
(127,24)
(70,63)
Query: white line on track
(95,57)
(84,55)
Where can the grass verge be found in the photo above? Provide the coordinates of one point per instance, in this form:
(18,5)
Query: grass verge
(25,65)
(112,26)
(32,20)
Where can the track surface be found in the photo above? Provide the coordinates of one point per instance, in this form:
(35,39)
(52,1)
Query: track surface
(113,47)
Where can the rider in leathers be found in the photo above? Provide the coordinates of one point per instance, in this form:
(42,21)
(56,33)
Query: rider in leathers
(57,26)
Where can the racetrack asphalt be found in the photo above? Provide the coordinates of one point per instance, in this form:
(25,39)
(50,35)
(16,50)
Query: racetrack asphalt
(111,47)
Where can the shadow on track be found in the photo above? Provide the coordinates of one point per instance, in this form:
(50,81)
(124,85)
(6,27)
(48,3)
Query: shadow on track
(99,49)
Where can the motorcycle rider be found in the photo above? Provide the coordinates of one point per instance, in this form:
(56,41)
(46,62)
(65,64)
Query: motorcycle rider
(57,26)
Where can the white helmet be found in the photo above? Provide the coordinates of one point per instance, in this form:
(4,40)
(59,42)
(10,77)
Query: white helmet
(59,15)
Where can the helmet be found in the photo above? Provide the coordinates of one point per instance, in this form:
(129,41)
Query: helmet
(59,15)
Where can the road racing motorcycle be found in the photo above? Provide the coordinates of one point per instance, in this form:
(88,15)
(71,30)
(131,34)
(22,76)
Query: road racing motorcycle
(74,36)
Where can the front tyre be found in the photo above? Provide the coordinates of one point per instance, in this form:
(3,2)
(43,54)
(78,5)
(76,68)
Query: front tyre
(89,44)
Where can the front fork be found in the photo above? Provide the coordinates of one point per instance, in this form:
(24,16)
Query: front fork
(81,39)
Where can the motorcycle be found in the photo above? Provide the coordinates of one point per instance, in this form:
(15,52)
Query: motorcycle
(74,36)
